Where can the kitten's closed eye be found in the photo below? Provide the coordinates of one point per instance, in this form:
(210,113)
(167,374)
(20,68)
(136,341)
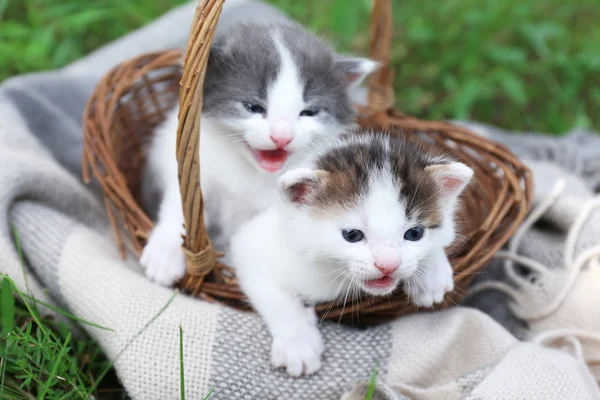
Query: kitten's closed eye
(254,108)
(352,235)
(414,234)
(309,112)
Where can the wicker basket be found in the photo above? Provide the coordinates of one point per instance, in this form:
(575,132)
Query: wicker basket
(132,99)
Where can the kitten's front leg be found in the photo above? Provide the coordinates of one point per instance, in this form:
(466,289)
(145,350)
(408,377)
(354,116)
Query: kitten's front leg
(432,282)
(162,256)
(297,343)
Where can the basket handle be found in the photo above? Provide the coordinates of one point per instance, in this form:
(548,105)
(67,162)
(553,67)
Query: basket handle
(198,249)
(381,94)
(200,254)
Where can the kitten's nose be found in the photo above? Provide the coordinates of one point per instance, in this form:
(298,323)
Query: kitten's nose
(387,267)
(281,133)
(281,142)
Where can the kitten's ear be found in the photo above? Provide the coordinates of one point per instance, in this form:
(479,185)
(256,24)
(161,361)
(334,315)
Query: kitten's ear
(452,178)
(355,69)
(297,184)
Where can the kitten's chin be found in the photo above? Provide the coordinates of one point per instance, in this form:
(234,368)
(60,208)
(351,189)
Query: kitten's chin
(381,286)
(270,160)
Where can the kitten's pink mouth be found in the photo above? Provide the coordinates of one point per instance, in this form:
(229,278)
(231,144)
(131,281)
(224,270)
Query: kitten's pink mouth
(381,283)
(271,160)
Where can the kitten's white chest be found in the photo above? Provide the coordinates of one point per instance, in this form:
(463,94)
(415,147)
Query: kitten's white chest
(234,190)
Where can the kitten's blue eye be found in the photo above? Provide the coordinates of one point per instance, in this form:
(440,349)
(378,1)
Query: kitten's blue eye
(309,113)
(255,108)
(414,234)
(352,235)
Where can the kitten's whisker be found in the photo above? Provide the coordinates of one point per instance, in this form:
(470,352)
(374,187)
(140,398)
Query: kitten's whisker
(418,280)
(232,136)
(473,273)
(329,284)
(334,271)
(414,195)
(420,272)
(452,300)
(462,290)
(331,259)
(233,139)
(353,296)
(409,285)
(345,298)
(425,200)
(464,243)
(332,302)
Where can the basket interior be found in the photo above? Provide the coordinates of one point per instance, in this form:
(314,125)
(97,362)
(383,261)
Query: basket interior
(137,114)
(133,99)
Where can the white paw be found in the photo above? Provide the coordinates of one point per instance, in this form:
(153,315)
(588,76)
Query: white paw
(430,289)
(163,258)
(299,353)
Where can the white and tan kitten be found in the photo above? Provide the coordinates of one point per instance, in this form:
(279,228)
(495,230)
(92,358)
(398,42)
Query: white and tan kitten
(270,91)
(367,213)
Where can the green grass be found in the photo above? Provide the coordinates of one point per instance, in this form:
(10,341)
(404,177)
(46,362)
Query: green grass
(372,383)
(526,65)
(39,358)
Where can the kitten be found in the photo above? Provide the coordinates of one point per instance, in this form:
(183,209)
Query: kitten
(270,90)
(367,213)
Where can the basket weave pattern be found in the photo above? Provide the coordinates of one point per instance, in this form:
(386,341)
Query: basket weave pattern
(132,99)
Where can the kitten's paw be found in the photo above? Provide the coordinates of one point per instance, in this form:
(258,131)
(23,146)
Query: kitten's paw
(448,280)
(300,353)
(431,289)
(163,258)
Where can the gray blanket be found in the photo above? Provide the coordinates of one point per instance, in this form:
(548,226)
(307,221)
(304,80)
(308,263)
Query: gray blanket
(70,252)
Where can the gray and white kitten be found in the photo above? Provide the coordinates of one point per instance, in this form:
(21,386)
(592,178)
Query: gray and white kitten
(270,90)
(364,214)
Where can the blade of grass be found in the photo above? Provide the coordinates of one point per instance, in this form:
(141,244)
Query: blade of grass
(371,387)
(32,312)
(209,393)
(7,306)
(110,364)
(181,374)
(22,258)
(3,369)
(36,301)
(68,314)
(13,392)
(59,358)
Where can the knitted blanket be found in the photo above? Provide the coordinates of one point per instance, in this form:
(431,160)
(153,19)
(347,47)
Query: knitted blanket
(458,353)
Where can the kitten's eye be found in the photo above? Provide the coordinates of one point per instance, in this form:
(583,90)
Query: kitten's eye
(352,235)
(309,113)
(414,234)
(255,108)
